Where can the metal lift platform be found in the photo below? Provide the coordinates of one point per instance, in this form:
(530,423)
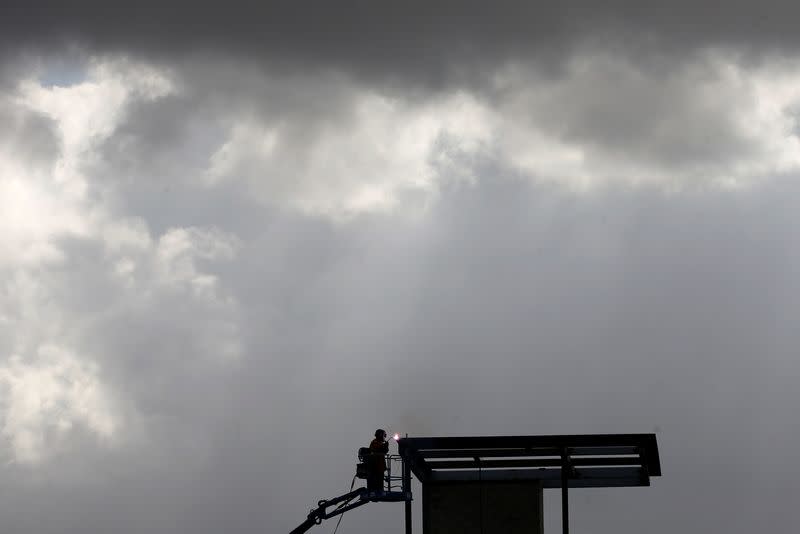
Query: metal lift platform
(399,490)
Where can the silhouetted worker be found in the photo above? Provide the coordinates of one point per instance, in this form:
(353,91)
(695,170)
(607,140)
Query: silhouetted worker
(377,460)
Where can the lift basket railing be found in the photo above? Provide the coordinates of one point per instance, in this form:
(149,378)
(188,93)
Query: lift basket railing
(393,479)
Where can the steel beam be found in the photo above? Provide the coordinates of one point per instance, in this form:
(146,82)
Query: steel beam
(584,477)
(530,462)
(565,468)
(598,444)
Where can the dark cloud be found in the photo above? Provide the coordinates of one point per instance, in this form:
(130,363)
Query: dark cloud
(412,43)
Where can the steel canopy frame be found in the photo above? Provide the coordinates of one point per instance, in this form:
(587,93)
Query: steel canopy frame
(564,461)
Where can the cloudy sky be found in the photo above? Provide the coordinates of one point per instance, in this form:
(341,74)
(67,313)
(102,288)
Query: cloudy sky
(235,239)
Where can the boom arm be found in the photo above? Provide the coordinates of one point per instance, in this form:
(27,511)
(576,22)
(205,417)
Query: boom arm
(316,515)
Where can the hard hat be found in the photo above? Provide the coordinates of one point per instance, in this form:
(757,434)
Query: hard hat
(380,433)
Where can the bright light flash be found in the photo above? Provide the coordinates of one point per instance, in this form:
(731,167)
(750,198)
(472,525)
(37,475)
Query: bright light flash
(397,437)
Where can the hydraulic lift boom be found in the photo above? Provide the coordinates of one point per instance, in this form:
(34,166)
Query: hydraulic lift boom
(316,515)
(360,496)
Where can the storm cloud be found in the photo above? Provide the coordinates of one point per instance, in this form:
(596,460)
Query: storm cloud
(236,239)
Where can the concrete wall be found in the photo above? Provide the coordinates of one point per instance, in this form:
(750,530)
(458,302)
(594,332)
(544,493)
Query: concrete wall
(497,507)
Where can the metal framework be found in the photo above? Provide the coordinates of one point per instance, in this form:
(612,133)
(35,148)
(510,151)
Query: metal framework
(567,461)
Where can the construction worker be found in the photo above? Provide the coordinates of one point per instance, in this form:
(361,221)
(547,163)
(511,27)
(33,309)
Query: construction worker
(377,460)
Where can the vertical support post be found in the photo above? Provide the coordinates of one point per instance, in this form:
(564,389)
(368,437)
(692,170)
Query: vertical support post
(565,468)
(645,472)
(407,491)
(389,474)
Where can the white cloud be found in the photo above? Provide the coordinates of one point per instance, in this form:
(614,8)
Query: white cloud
(604,120)
(87,113)
(53,296)
(34,212)
(44,398)
(39,202)
(178,251)
(383,149)
(711,121)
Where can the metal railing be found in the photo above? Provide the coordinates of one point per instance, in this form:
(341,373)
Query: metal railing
(393,482)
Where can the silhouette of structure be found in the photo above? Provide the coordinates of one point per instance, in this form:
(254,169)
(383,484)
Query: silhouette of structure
(491,484)
(501,467)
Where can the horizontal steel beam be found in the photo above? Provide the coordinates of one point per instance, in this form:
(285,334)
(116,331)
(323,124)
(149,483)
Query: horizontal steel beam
(532,462)
(542,451)
(582,444)
(586,477)
(522,442)
(603,451)
(487,453)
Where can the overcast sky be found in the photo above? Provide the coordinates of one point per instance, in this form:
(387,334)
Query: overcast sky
(234,240)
